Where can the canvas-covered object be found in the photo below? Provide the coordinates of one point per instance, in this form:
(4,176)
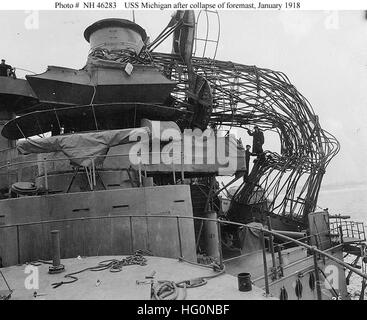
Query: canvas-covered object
(80,148)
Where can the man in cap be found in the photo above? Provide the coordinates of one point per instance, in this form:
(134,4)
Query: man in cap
(5,69)
(258,140)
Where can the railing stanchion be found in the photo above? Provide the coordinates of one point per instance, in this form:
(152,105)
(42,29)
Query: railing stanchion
(182,169)
(316,241)
(352,229)
(8,177)
(271,247)
(317,276)
(220,244)
(45,174)
(18,245)
(179,235)
(84,238)
(280,261)
(341,233)
(265,264)
(173,172)
(131,235)
(139,170)
(94,172)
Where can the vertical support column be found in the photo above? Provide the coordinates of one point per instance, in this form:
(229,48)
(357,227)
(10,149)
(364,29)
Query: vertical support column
(317,276)
(211,235)
(220,245)
(8,177)
(182,169)
(18,245)
(131,235)
(55,238)
(94,172)
(174,172)
(271,247)
(281,274)
(56,267)
(341,233)
(139,171)
(85,253)
(352,229)
(45,173)
(265,264)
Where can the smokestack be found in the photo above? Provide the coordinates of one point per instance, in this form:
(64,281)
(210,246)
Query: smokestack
(115,35)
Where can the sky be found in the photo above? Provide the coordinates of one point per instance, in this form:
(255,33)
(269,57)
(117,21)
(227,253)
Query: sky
(323,53)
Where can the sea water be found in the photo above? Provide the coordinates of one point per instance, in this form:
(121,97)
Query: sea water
(352,201)
(347,200)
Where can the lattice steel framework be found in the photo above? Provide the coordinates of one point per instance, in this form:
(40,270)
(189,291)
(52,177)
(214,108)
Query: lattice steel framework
(247,95)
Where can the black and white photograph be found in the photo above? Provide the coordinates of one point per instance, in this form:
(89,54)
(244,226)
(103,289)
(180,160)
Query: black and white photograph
(183,150)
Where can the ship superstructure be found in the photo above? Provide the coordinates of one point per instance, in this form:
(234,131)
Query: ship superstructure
(100,154)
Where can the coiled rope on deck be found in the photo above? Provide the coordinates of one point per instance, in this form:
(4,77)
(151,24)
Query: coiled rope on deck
(169,290)
(162,289)
(113,265)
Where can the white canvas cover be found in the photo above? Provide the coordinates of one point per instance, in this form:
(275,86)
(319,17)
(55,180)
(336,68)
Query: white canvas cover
(80,148)
(119,145)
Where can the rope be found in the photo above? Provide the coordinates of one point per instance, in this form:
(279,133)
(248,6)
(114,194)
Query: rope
(166,290)
(169,290)
(113,265)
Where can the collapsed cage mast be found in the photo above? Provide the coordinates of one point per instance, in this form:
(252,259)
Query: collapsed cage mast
(215,93)
(243,96)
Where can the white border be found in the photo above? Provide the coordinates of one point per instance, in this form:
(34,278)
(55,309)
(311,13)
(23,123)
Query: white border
(120,4)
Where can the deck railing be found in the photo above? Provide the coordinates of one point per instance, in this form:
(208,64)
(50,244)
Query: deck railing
(141,168)
(314,252)
(348,230)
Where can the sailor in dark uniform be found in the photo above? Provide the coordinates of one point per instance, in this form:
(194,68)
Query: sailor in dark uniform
(5,69)
(258,140)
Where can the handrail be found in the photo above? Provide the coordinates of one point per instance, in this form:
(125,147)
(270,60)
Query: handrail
(44,161)
(10,164)
(281,245)
(298,262)
(22,69)
(304,271)
(313,249)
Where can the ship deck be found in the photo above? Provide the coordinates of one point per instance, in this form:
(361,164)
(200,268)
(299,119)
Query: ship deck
(100,285)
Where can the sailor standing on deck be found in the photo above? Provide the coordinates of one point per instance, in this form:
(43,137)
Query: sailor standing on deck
(5,69)
(258,140)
